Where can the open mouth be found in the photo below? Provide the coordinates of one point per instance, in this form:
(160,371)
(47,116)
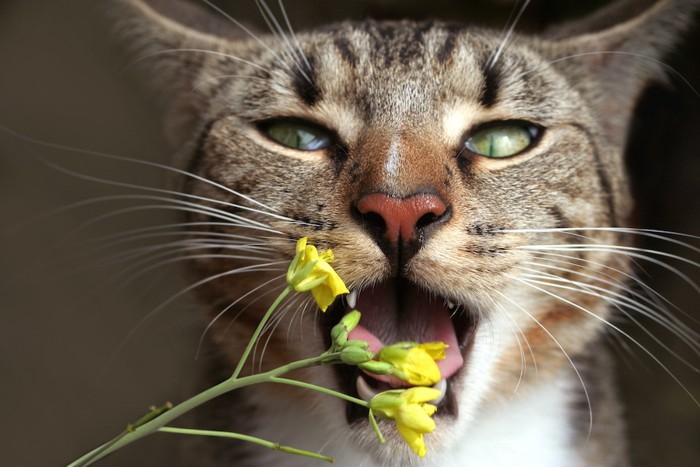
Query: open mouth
(398,310)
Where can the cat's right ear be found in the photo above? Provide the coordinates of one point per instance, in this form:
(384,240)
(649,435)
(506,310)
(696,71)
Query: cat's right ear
(175,45)
(612,55)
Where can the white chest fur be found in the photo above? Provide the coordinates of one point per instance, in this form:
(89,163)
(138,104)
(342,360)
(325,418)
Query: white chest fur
(532,429)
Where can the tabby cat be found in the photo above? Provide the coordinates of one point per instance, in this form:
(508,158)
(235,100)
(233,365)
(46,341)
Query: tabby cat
(472,187)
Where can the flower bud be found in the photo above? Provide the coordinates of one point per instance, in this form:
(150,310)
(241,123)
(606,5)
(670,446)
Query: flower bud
(355,355)
(340,339)
(364,345)
(384,402)
(413,362)
(351,320)
(411,410)
(309,271)
(339,334)
(376,367)
(308,283)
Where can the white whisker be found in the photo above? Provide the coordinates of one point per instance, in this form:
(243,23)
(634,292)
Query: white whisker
(616,52)
(144,255)
(517,333)
(270,328)
(632,252)
(177,194)
(622,302)
(659,299)
(244,244)
(151,314)
(228,307)
(292,34)
(611,326)
(213,79)
(664,235)
(497,54)
(249,305)
(202,51)
(242,27)
(233,220)
(566,355)
(308,301)
(144,163)
(180,228)
(296,313)
(134,271)
(279,33)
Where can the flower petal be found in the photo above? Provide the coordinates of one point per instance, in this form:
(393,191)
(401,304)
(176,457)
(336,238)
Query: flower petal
(413,363)
(420,394)
(415,417)
(413,439)
(301,245)
(386,404)
(420,367)
(310,271)
(323,295)
(436,350)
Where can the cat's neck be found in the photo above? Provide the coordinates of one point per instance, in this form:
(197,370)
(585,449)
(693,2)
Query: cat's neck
(534,428)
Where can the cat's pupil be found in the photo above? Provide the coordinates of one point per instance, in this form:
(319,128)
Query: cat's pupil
(502,140)
(297,135)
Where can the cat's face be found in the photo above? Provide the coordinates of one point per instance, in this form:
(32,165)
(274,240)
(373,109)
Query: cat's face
(433,237)
(463,186)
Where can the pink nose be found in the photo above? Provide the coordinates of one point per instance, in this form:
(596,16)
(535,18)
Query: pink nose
(401,218)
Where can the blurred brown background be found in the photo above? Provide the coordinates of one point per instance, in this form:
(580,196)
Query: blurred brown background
(77,358)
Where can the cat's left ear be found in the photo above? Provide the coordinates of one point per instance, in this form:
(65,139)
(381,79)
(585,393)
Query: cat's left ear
(177,46)
(612,55)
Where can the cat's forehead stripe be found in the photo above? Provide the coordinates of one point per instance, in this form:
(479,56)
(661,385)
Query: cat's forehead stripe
(345,50)
(391,47)
(489,94)
(304,80)
(445,52)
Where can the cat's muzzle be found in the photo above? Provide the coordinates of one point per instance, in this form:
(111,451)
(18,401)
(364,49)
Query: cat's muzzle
(398,310)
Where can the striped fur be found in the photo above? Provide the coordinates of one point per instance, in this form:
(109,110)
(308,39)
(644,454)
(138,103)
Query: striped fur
(399,98)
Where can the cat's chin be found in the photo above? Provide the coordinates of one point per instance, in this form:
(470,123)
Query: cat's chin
(399,310)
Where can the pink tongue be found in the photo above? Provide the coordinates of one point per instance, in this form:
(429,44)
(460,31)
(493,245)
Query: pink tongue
(420,320)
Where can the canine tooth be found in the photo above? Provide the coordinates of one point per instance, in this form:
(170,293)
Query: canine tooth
(442,387)
(352,299)
(450,305)
(365,392)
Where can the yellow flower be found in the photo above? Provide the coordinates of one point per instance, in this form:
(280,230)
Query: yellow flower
(415,363)
(411,411)
(310,271)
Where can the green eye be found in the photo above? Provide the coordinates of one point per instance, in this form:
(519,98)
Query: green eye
(502,139)
(297,135)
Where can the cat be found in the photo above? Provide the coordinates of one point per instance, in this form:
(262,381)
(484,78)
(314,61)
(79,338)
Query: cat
(472,188)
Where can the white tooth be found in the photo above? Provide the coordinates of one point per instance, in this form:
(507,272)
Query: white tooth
(442,387)
(352,299)
(450,305)
(365,392)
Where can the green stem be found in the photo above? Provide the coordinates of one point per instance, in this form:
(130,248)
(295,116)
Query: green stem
(257,332)
(330,392)
(146,426)
(248,438)
(375,427)
(95,454)
(154,425)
